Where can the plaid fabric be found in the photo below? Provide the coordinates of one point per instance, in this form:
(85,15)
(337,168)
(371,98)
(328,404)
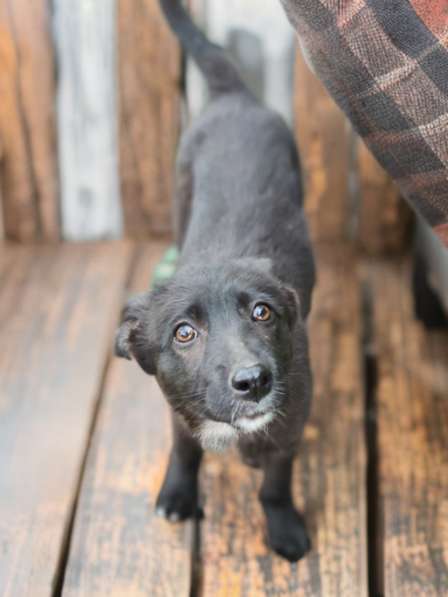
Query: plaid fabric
(385,62)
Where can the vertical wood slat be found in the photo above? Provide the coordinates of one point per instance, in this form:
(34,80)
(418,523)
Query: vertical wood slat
(349,197)
(2,227)
(384,218)
(149,87)
(324,144)
(28,167)
(87,137)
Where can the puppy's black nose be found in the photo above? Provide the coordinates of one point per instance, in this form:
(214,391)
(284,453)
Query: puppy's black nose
(252,383)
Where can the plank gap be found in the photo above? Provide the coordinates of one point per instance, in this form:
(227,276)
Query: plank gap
(66,542)
(196,558)
(375,535)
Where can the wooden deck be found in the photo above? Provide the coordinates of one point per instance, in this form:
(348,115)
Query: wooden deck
(84,442)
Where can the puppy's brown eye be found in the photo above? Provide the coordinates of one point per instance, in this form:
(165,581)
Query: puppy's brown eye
(261,312)
(185,333)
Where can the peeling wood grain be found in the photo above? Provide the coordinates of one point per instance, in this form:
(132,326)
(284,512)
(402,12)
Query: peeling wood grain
(58,307)
(27,122)
(149,103)
(330,473)
(413,429)
(120,548)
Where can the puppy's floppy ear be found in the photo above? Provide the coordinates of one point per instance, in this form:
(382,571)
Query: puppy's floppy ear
(123,339)
(131,337)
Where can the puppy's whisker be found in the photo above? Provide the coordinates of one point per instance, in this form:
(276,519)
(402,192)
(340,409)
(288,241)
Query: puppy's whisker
(235,413)
(190,397)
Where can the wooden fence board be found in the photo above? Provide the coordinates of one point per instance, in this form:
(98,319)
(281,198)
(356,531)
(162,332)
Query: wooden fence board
(119,546)
(87,121)
(28,167)
(2,227)
(149,88)
(324,142)
(412,425)
(330,474)
(58,307)
(384,218)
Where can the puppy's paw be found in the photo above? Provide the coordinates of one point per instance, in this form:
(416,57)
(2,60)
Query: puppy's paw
(287,534)
(176,503)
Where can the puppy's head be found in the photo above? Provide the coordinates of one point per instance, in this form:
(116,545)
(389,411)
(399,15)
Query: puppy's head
(219,338)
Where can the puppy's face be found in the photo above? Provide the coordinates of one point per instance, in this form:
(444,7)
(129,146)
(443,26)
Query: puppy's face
(219,340)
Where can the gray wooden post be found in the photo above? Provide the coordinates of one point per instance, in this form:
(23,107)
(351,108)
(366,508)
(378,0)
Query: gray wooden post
(84,32)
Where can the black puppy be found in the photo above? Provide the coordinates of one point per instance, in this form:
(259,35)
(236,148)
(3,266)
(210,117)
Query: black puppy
(226,335)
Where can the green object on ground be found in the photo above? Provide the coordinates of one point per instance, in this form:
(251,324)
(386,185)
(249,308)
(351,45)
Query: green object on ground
(166,267)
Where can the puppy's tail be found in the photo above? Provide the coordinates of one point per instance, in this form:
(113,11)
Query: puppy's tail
(221,75)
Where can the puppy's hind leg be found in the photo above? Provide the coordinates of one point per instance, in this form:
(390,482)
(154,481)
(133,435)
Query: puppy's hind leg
(285,526)
(178,497)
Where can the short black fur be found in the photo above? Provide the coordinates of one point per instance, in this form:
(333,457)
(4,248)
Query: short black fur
(245,251)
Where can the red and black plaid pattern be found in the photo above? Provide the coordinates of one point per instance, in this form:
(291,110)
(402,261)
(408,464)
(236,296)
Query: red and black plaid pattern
(385,62)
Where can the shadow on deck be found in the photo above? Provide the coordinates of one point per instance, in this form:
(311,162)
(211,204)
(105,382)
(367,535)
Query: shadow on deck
(84,440)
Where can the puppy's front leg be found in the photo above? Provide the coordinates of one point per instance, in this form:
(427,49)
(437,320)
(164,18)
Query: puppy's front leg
(178,497)
(286,529)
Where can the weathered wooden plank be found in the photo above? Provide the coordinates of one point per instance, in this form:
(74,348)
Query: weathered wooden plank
(412,425)
(384,219)
(119,546)
(2,228)
(330,474)
(348,194)
(58,308)
(149,88)
(28,165)
(87,121)
(324,142)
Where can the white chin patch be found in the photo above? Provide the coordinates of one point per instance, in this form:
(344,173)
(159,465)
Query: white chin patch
(252,425)
(216,436)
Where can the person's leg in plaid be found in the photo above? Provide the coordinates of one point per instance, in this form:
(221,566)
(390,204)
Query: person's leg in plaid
(385,62)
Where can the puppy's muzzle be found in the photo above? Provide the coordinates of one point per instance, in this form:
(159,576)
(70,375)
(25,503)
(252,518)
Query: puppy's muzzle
(252,383)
